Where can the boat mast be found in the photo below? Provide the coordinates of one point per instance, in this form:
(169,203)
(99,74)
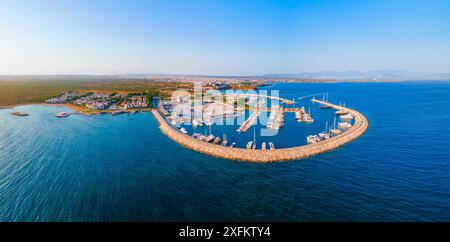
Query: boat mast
(254,135)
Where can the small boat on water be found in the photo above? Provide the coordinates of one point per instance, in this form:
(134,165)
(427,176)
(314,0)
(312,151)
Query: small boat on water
(263,146)
(233,145)
(183,130)
(210,138)
(62,115)
(249,145)
(20,114)
(216,141)
(118,112)
(271,146)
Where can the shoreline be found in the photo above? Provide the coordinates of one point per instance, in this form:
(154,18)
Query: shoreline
(267,156)
(240,154)
(77,109)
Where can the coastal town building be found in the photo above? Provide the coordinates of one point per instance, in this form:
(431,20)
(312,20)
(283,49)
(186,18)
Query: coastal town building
(64,98)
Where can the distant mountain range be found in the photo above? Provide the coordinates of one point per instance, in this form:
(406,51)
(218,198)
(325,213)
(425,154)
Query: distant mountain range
(358,75)
(380,75)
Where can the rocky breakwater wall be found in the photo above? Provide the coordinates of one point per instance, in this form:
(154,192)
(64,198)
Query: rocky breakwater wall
(266,156)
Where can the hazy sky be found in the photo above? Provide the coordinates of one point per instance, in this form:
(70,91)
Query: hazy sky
(222,37)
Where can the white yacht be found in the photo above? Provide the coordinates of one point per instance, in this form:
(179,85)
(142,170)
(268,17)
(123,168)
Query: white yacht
(347,117)
(345,126)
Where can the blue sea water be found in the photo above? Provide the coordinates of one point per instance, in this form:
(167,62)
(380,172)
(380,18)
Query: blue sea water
(121,168)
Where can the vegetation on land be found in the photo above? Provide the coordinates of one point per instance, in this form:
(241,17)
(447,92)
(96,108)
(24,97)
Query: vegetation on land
(17,92)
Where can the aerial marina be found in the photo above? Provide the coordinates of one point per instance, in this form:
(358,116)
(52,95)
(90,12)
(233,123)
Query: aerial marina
(205,126)
(250,114)
(351,126)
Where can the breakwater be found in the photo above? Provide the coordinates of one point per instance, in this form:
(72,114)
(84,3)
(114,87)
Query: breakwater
(265,156)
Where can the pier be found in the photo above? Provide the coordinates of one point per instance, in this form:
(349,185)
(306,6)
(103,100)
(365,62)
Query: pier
(249,122)
(252,119)
(283,100)
(268,155)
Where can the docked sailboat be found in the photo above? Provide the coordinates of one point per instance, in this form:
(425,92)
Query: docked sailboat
(210,138)
(308,118)
(311,139)
(334,130)
(324,106)
(225,141)
(208,122)
(344,126)
(341,112)
(271,146)
(195,122)
(325,135)
(216,141)
(183,130)
(347,117)
(254,138)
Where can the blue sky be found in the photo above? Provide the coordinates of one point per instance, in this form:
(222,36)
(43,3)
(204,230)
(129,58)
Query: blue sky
(226,37)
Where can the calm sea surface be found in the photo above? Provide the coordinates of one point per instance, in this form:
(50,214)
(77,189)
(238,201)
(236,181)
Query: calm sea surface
(121,168)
